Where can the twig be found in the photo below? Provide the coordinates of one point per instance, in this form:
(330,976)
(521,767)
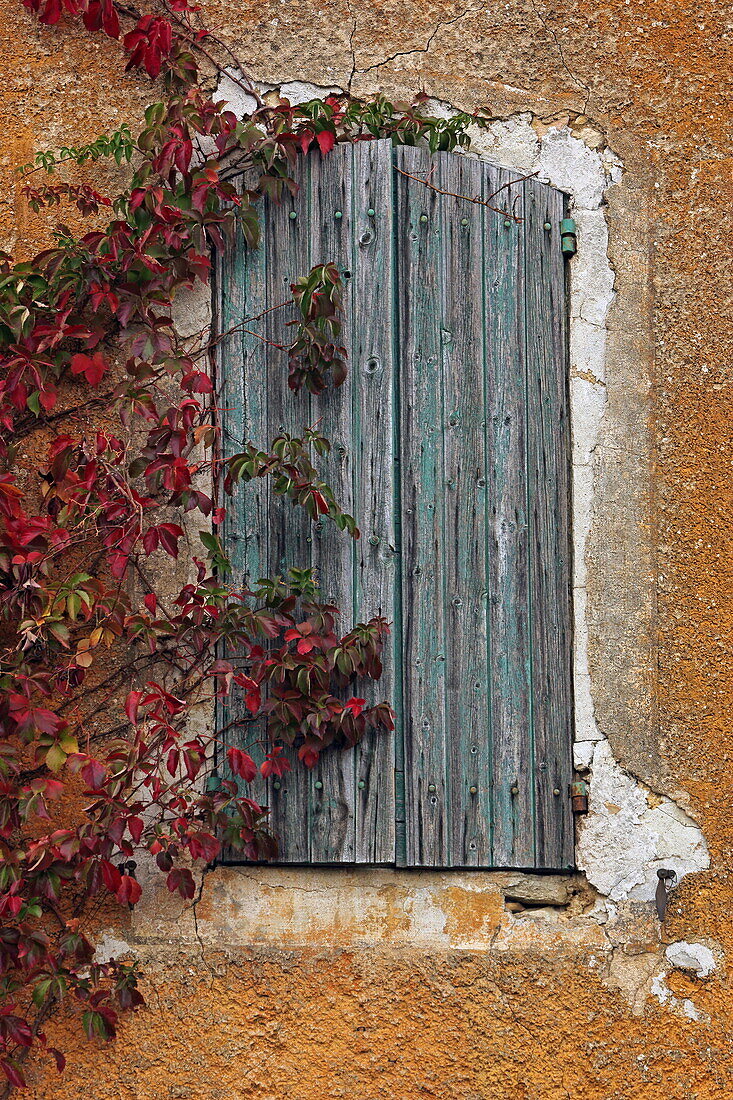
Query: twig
(467,198)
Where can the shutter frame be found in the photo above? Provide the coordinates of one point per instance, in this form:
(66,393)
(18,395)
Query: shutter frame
(412,282)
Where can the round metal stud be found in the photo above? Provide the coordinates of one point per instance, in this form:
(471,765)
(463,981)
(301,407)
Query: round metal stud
(548,225)
(338,214)
(515,790)
(473,790)
(318,785)
(423,217)
(362,784)
(370,212)
(373,540)
(507,223)
(277,784)
(431,787)
(464,221)
(293,215)
(556,792)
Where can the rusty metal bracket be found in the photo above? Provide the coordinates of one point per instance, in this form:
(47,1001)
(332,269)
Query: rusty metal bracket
(579,796)
(667,879)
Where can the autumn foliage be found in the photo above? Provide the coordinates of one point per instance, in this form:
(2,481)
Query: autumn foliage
(101,758)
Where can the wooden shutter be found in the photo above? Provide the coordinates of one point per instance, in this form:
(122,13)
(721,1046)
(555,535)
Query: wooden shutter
(451,440)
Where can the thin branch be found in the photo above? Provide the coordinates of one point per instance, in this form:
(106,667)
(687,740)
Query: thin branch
(466,198)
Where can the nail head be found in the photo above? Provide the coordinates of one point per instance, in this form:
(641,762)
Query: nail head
(293,215)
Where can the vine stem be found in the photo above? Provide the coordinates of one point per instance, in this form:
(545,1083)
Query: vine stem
(468,198)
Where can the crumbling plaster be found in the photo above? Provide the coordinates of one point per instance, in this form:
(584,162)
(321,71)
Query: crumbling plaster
(566,1015)
(629,832)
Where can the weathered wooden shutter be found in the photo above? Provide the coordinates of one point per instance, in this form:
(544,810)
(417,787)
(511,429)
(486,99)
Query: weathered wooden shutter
(451,440)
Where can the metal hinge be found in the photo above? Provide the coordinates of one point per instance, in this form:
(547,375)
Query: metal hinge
(579,796)
(568,237)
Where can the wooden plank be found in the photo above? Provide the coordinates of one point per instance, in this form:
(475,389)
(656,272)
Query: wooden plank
(287,241)
(332,784)
(243,403)
(419,246)
(509,589)
(373,381)
(466,565)
(549,494)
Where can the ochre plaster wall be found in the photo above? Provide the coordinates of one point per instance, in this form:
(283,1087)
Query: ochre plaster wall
(360,995)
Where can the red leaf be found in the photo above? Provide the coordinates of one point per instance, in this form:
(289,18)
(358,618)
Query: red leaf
(356,706)
(150,540)
(275,764)
(92,367)
(136,826)
(110,875)
(169,534)
(308,756)
(326,141)
(94,775)
(151,602)
(242,764)
(132,702)
(180,879)
(129,890)
(58,1058)
(11,1070)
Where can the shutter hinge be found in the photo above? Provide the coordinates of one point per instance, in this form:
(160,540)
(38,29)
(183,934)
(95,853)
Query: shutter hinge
(579,796)
(568,238)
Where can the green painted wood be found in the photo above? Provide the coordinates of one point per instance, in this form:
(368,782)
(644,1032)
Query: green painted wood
(422,464)
(332,806)
(240,280)
(549,494)
(508,579)
(372,343)
(466,565)
(451,448)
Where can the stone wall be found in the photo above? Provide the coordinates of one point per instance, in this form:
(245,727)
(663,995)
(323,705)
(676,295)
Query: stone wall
(315,984)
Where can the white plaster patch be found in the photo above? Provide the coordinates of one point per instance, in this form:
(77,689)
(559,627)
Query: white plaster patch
(624,841)
(665,996)
(109,947)
(695,957)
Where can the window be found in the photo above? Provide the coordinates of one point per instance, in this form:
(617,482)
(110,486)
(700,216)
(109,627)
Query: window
(450,446)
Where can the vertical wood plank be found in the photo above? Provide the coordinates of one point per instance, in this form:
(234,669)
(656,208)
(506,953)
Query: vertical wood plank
(331,784)
(287,241)
(466,566)
(372,375)
(423,528)
(242,400)
(508,551)
(549,495)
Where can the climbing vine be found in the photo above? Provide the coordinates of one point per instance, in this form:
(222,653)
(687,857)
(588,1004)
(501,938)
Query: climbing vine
(104,669)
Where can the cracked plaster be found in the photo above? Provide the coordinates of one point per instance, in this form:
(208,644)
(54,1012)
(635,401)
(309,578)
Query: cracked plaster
(625,838)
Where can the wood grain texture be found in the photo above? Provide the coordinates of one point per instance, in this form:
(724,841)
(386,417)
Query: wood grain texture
(549,518)
(372,346)
(508,581)
(450,446)
(463,345)
(333,817)
(422,464)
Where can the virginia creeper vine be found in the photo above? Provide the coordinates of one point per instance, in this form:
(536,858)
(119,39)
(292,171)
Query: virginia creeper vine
(102,672)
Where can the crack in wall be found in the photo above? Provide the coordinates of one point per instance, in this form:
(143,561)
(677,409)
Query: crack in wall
(417,49)
(630,830)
